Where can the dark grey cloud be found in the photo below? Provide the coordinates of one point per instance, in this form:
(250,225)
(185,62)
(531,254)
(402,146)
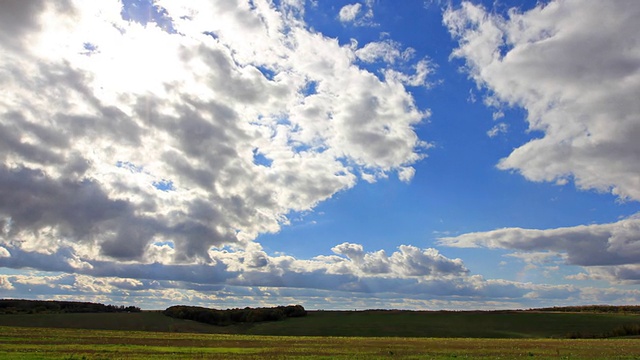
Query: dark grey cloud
(80,211)
(607,251)
(18,18)
(60,262)
(586,245)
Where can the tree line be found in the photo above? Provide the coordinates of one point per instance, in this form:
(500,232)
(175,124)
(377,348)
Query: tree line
(628,309)
(233,316)
(19,306)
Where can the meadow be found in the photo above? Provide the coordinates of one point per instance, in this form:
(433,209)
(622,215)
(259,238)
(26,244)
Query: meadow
(46,343)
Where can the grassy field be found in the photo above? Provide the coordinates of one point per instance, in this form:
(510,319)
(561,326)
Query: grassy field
(41,343)
(362,323)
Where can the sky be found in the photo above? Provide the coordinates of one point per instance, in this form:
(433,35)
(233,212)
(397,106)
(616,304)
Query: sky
(334,154)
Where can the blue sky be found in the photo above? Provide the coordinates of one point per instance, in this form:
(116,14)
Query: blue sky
(334,154)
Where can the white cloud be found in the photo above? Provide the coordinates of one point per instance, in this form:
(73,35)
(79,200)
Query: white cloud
(422,69)
(349,12)
(497,115)
(574,67)
(76,263)
(391,53)
(500,128)
(406,174)
(5,284)
(358,15)
(386,50)
(141,144)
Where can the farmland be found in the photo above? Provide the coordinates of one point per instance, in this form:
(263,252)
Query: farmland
(41,343)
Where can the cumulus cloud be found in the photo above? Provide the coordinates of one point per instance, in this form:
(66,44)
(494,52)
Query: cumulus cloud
(122,141)
(407,261)
(349,12)
(575,69)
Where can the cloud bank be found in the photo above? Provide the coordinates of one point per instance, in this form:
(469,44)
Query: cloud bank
(606,251)
(353,278)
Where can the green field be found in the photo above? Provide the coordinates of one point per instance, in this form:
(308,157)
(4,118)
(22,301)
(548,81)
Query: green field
(142,321)
(361,323)
(42,343)
(446,324)
(319,335)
